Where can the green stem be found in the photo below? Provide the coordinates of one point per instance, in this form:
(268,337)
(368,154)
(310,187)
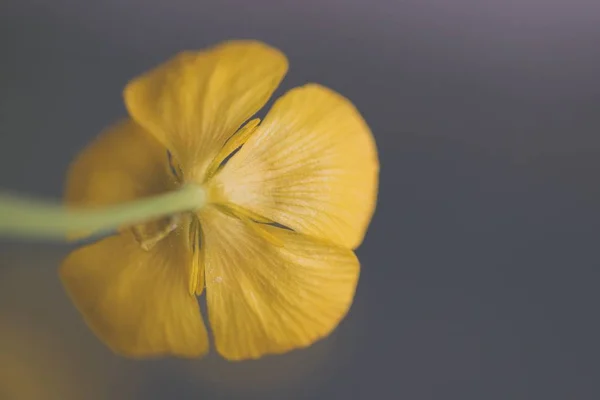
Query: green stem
(33,219)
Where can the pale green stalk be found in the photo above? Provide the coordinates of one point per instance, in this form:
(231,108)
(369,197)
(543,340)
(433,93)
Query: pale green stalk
(34,219)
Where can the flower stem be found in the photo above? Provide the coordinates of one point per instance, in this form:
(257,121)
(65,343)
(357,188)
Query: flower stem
(34,219)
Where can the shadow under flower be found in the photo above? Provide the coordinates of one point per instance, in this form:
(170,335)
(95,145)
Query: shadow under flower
(46,351)
(280,376)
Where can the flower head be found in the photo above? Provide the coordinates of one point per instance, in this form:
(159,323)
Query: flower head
(288,199)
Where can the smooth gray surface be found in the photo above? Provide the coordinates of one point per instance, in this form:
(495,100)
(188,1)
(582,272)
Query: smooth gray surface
(480,270)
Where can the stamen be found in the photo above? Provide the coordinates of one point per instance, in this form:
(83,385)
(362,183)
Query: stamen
(148,234)
(254,222)
(232,146)
(175,170)
(277,225)
(195,236)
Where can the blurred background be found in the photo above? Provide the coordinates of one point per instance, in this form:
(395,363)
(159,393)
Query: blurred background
(481,267)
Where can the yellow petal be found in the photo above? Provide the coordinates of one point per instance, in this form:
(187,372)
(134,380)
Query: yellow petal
(311,166)
(266,299)
(196,101)
(138,301)
(123,163)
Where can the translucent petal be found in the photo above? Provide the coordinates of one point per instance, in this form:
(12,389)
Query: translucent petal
(196,101)
(123,163)
(138,302)
(311,166)
(264,298)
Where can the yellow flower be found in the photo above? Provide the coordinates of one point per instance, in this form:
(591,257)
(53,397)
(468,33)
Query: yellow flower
(272,246)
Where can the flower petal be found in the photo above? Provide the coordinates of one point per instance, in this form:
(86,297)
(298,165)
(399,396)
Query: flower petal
(311,166)
(137,301)
(196,101)
(123,163)
(264,298)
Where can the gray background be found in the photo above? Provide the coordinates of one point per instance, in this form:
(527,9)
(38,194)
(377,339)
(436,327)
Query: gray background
(480,269)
